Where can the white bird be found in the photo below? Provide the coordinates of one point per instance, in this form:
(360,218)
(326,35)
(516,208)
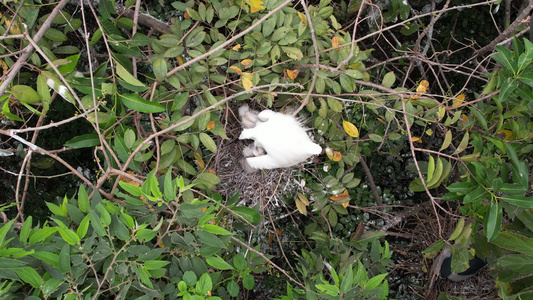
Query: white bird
(282,137)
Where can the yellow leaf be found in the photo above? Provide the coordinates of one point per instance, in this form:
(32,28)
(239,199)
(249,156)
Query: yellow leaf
(458,100)
(4,67)
(424,83)
(417,139)
(340,197)
(335,42)
(14,29)
(199,160)
(421,89)
(210,125)
(186,15)
(302,208)
(303,18)
(255,5)
(236,47)
(303,198)
(415,96)
(506,133)
(337,156)
(211,171)
(350,129)
(180,60)
(246,62)
(441,112)
(292,74)
(247,80)
(345,204)
(236,69)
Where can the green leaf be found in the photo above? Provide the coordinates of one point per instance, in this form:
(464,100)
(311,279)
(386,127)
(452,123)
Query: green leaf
(389,79)
(216,229)
(240,262)
(41,235)
(72,61)
(375,281)
(476,195)
(334,104)
(129,138)
(463,144)
(514,242)
(64,259)
(144,276)
(134,190)
(83,141)
(431,169)
(518,263)
(505,58)
(233,288)
(155,264)
(47,257)
(30,276)
(190,278)
(146,234)
(135,102)
(160,68)
(4,230)
(209,239)
(25,94)
(218,263)
(247,213)
(83,227)
(68,235)
(493,221)
(204,284)
(520,201)
(248,282)
(479,116)
(51,286)
(460,187)
(96,223)
(512,189)
(375,137)
(55,35)
(347,281)
(127,77)
(208,142)
(25,230)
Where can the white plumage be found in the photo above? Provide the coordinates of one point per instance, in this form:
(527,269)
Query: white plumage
(281,136)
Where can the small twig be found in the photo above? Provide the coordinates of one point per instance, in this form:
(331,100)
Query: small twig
(371,183)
